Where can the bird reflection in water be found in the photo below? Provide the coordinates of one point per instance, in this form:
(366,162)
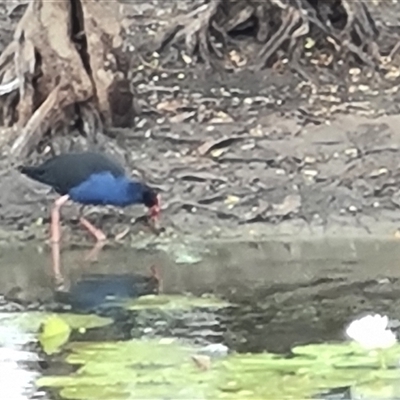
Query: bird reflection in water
(91,256)
(93,292)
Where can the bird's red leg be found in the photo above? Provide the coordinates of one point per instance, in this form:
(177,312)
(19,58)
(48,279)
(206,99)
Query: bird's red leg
(56,236)
(55,218)
(97,233)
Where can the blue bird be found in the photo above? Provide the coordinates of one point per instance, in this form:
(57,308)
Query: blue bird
(90,178)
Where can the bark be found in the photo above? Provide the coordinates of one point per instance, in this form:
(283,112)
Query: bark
(65,62)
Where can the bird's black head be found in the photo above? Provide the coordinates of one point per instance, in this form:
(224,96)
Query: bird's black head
(151,199)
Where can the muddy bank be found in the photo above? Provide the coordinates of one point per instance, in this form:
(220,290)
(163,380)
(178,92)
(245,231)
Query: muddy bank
(235,155)
(271,177)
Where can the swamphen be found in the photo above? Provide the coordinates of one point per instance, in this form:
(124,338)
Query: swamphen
(90,178)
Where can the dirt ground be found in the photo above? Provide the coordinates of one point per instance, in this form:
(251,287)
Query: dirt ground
(247,154)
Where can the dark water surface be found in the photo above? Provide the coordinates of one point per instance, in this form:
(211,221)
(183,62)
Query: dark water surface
(282,294)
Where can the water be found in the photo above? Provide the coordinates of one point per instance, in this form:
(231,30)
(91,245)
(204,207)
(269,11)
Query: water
(283,294)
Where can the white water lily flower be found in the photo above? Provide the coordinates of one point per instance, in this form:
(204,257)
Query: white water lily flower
(371,332)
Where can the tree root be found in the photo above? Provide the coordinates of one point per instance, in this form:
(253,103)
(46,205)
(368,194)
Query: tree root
(64,62)
(344,28)
(195,30)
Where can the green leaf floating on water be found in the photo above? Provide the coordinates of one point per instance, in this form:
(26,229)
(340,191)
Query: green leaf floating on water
(376,390)
(173,302)
(54,333)
(52,330)
(148,369)
(325,350)
(151,369)
(85,321)
(31,321)
(346,355)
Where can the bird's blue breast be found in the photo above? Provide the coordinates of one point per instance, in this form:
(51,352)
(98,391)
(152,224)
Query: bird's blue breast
(105,189)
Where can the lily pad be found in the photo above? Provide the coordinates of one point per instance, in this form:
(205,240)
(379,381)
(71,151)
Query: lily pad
(327,350)
(377,390)
(151,369)
(144,369)
(158,369)
(346,355)
(173,302)
(85,321)
(268,362)
(31,321)
(54,334)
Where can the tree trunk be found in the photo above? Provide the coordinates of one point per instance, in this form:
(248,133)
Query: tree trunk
(64,63)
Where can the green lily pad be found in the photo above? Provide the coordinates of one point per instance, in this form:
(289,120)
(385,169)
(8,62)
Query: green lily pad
(143,368)
(346,355)
(164,369)
(85,321)
(151,369)
(31,321)
(268,362)
(54,334)
(173,302)
(327,350)
(377,390)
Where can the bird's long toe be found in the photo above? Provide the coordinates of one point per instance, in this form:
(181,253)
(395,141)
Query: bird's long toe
(98,234)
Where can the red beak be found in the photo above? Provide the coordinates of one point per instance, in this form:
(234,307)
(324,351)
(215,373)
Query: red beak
(156,209)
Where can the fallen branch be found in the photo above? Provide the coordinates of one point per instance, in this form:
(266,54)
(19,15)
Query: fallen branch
(46,112)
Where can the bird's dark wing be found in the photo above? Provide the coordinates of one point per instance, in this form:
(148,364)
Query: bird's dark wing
(66,171)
